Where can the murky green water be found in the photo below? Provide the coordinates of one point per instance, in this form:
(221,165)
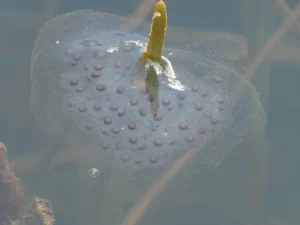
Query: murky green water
(200,194)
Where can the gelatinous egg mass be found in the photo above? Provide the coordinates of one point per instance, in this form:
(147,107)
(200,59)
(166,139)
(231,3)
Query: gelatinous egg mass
(84,70)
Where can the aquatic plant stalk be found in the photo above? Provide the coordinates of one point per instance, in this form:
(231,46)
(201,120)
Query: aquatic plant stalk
(270,44)
(286,11)
(138,17)
(276,37)
(161,183)
(157,33)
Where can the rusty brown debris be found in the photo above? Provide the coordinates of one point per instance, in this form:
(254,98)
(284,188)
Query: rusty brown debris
(12,198)
(13,210)
(38,212)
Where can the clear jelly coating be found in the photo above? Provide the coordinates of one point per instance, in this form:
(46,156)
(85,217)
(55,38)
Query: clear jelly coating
(83,70)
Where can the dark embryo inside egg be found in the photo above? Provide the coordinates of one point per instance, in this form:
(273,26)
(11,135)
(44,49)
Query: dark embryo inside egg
(84,68)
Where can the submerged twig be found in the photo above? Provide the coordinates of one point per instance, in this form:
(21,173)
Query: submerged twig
(272,42)
(285,11)
(139,16)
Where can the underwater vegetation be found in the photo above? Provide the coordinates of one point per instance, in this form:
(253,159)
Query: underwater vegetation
(14,210)
(12,198)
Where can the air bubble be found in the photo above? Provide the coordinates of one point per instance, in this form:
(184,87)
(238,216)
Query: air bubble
(94,172)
